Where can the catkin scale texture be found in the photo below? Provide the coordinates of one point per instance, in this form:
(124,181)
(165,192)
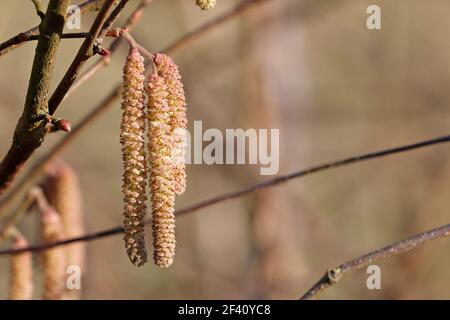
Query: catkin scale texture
(161,176)
(132,139)
(176,101)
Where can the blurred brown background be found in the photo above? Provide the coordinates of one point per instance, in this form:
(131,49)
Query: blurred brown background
(334,88)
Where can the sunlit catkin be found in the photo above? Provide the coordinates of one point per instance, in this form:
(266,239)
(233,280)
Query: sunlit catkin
(63,193)
(54,259)
(21,271)
(160,146)
(206,4)
(176,101)
(132,139)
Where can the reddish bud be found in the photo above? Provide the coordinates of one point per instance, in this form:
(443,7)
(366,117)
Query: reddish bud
(64,125)
(104,52)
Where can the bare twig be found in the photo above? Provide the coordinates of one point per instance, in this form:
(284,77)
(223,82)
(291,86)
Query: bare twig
(37,6)
(23,37)
(113,16)
(30,129)
(104,61)
(236,194)
(84,53)
(334,275)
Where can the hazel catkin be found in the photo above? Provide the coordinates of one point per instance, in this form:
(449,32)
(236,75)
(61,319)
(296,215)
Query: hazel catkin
(132,139)
(21,271)
(161,175)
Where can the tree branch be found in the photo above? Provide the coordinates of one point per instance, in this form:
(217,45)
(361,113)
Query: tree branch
(30,129)
(23,37)
(236,194)
(333,276)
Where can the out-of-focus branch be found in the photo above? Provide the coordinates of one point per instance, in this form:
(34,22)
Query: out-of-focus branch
(334,275)
(84,53)
(240,193)
(30,129)
(23,37)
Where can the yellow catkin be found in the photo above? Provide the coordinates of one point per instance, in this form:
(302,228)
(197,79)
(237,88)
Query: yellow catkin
(132,139)
(176,100)
(21,272)
(54,259)
(206,4)
(161,176)
(62,190)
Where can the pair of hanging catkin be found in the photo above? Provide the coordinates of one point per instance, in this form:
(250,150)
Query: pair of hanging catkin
(162,122)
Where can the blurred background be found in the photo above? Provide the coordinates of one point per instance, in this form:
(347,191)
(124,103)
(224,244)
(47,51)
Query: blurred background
(334,88)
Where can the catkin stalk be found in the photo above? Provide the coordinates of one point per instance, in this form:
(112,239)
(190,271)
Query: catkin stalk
(132,139)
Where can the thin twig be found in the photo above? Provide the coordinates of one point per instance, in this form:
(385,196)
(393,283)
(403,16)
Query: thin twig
(334,275)
(134,18)
(84,53)
(133,43)
(24,37)
(236,194)
(113,16)
(37,6)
